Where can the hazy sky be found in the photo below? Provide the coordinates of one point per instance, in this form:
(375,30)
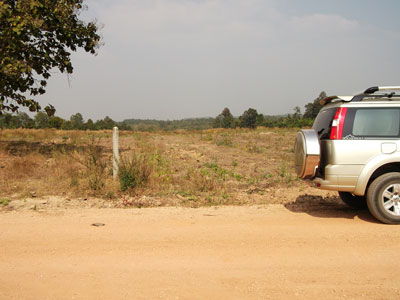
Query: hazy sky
(173,59)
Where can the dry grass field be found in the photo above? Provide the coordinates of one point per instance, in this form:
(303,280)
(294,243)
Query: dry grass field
(181,168)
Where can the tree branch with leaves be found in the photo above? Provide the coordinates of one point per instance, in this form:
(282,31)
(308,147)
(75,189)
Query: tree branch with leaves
(37,36)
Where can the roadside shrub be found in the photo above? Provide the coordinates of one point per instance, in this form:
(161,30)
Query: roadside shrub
(134,171)
(4,201)
(95,166)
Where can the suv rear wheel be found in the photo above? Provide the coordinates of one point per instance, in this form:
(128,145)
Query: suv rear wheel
(357,202)
(383,198)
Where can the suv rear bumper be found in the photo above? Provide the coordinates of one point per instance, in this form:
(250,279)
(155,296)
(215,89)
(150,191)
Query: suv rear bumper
(331,183)
(339,178)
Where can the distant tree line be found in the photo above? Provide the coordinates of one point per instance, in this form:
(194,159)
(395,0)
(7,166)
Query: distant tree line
(252,119)
(249,119)
(155,125)
(42,120)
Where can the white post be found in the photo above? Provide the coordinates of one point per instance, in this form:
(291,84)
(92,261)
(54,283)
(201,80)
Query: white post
(115,153)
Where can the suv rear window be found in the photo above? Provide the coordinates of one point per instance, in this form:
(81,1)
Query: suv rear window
(323,122)
(365,123)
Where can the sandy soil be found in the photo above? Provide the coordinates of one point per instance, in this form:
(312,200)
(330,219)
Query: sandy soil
(295,251)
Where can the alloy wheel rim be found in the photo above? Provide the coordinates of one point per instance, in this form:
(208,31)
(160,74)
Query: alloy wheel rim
(391,199)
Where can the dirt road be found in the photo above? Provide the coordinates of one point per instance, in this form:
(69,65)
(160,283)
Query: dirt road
(265,252)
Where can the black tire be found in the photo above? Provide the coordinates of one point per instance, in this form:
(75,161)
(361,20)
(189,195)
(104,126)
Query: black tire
(356,202)
(383,198)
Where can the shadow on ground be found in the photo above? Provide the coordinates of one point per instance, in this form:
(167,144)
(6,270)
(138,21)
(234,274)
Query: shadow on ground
(327,207)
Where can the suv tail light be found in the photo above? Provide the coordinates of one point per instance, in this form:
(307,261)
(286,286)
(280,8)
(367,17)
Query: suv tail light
(337,123)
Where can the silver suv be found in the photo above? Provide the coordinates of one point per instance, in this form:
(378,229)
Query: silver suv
(354,148)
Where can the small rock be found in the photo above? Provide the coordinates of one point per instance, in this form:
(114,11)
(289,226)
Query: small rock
(33,194)
(43,202)
(98,224)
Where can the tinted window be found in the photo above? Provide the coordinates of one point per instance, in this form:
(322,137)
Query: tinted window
(372,123)
(323,122)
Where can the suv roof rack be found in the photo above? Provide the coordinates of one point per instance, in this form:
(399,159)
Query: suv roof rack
(368,93)
(374,89)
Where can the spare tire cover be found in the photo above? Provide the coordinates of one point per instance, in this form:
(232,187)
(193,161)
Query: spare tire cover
(306,153)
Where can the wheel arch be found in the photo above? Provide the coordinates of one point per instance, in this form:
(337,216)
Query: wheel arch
(384,168)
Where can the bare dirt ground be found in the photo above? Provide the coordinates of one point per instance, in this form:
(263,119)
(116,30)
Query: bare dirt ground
(306,249)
